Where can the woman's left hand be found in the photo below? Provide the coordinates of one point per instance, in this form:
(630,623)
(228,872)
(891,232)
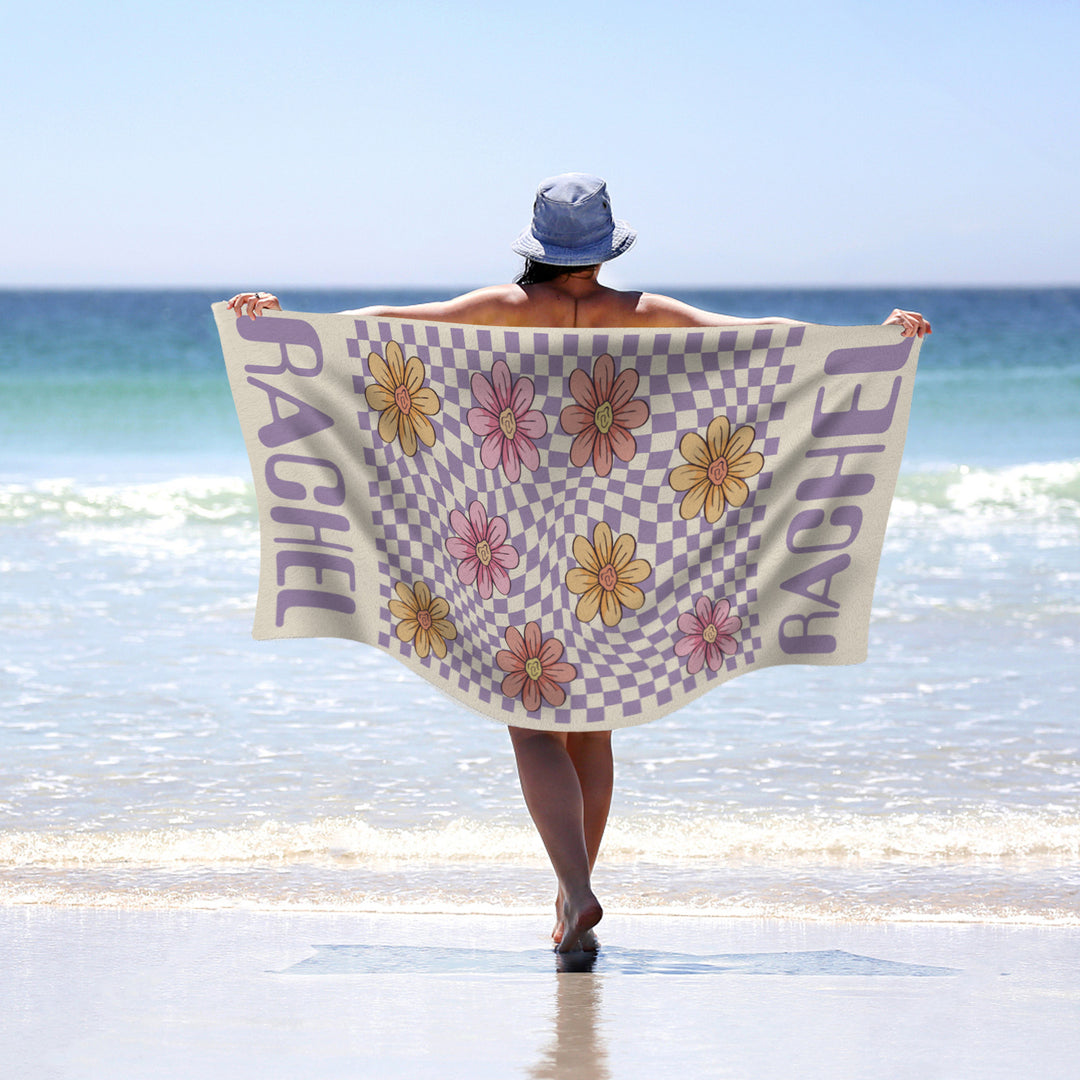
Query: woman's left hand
(911,323)
(253,303)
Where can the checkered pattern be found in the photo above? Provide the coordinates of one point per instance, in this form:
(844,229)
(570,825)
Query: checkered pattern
(621,670)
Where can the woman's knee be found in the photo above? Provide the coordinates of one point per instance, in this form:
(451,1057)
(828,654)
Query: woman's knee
(589,740)
(520,736)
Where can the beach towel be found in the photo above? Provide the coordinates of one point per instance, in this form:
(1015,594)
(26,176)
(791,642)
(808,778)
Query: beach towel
(571,530)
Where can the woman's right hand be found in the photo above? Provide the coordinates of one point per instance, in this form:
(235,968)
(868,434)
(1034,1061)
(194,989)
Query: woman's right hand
(253,303)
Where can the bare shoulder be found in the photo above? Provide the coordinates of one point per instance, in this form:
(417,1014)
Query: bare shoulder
(655,309)
(491,305)
(615,307)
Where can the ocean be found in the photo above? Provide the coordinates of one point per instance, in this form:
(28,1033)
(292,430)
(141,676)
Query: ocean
(152,755)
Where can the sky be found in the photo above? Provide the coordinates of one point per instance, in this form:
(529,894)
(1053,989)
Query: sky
(767,143)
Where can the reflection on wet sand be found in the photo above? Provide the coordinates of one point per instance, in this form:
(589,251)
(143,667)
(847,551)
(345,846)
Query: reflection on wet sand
(577,1049)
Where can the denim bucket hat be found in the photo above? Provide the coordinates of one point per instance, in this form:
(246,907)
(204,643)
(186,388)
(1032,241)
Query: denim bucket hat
(572,224)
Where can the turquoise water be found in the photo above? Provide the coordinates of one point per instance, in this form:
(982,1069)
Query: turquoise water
(152,754)
(94,376)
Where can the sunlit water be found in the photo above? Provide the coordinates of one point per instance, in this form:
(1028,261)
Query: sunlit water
(152,754)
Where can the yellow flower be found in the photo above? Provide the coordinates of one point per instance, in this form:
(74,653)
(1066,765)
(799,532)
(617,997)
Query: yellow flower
(423,619)
(608,575)
(402,398)
(718,470)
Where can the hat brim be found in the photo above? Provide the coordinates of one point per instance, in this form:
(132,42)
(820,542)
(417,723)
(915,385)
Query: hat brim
(620,240)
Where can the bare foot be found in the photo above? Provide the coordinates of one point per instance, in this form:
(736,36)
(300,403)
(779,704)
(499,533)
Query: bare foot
(557,932)
(588,941)
(578,921)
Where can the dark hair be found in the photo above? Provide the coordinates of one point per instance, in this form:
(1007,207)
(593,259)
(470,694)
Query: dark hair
(537,272)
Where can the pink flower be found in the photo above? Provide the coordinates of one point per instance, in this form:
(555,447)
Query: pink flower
(534,668)
(507,421)
(480,545)
(603,415)
(708,631)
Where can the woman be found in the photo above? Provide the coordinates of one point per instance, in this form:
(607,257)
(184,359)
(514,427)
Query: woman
(567,778)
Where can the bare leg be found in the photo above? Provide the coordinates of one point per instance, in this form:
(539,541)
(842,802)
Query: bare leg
(555,796)
(590,752)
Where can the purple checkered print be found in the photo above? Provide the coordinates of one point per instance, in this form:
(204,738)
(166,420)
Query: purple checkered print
(628,668)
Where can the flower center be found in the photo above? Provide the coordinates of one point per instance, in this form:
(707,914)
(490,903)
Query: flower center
(403,399)
(483,552)
(718,471)
(424,619)
(709,633)
(604,417)
(508,423)
(608,578)
(533,668)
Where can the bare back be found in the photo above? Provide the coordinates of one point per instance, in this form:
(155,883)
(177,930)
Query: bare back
(573,300)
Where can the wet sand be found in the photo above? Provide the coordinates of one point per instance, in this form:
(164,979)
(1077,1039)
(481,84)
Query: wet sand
(233,993)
